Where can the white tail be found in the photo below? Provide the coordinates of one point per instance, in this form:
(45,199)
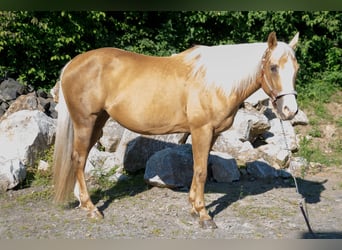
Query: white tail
(64,174)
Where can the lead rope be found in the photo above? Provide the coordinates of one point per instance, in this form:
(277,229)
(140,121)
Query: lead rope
(301,200)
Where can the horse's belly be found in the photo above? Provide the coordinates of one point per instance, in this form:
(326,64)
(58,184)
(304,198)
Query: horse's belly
(148,116)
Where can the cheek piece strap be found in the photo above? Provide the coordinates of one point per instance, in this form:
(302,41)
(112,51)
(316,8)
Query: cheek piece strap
(275,96)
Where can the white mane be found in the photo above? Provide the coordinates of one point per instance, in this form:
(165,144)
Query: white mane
(228,67)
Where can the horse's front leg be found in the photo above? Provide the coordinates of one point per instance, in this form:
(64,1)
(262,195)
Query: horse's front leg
(201,144)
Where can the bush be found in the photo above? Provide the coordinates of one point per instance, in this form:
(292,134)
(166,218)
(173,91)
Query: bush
(34,46)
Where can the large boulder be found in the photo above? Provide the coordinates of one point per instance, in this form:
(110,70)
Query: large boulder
(237,141)
(12,172)
(24,135)
(281,135)
(173,167)
(223,167)
(135,149)
(262,169)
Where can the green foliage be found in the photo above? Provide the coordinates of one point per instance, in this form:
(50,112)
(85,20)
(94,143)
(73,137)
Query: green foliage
(34,46)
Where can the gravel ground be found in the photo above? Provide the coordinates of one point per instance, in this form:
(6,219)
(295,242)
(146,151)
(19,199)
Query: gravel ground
(248,209)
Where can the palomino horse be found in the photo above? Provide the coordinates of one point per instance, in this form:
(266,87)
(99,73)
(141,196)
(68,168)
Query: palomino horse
(197,91)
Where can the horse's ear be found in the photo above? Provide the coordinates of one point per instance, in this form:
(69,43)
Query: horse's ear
(294,41)
(272,40)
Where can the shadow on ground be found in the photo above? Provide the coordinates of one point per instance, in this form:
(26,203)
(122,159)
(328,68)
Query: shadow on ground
(321,235)
(310,190)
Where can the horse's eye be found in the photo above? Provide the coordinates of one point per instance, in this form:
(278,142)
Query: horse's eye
(274,68)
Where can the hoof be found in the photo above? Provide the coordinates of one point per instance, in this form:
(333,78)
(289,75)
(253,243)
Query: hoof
(194,215)
(208,224)
(95,214)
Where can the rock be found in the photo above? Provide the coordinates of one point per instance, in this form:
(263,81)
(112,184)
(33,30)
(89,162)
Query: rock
(4,106)
(261,169)
(136,149)
(247,126)
(173,167)
(12,172)
(300,119)
(52,110)
(170,167)
(247,153)
(41,93)
(229,142)
(43,165)
(278,157)
(112,134)
(10,89)
(250,124)
(99,162)
(25,134)
(223,167)
(282,135)
(297,165)
(24,102)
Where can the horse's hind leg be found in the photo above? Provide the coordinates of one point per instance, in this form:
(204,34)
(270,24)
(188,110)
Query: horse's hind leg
(85,136)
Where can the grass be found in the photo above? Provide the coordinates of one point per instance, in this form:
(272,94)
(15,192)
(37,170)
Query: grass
(102,186)
(314,98)
(255,212)
(105,189)
(36,177)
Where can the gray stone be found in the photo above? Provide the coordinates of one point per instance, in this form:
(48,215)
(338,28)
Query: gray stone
(43,165)
(297,165)
(24,102)
(25,134)
(12,172)
(261,169)
(223,167)
(10,89)
(229,142)
(136,149)
(278,157)
(281,134)
(246,127)
(170,167)
(100,162)
(173,167)
(247,153)
(250,124)
(300,119)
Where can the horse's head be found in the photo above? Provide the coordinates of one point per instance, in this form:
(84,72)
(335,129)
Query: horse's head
(279,69)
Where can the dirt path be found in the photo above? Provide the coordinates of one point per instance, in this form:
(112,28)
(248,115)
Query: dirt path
(248,209)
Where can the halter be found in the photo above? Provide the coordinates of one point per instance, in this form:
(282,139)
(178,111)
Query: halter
(274,95)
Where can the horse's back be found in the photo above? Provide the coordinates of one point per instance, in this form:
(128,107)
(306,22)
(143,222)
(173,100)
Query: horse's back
(146,94)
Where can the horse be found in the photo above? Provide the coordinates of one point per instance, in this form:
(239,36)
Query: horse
(197,91)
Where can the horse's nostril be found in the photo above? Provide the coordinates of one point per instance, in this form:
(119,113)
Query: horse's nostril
(286,109)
